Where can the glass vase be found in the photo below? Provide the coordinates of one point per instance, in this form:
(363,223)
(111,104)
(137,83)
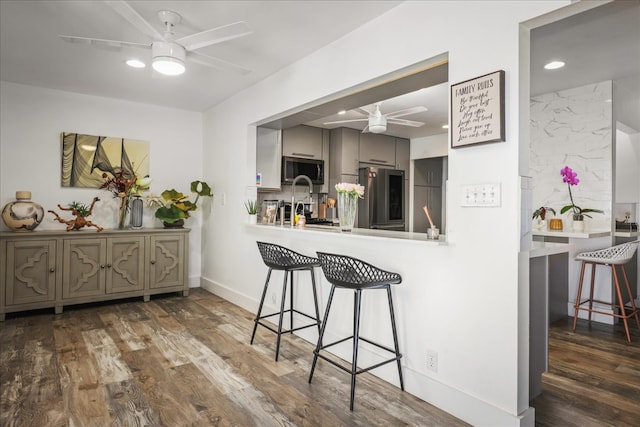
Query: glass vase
(347,209)
(122,212)
(136,212)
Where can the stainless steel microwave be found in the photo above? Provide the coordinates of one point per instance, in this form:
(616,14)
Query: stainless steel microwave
(294,166)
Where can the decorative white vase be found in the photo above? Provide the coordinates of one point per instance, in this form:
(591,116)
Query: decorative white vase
(23,214)
(253,219)
(347,210)
(578,223)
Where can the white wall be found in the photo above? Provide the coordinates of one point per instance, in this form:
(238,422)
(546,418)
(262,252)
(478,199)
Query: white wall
(430,146)
(574,128)
(461,300)
(31,120)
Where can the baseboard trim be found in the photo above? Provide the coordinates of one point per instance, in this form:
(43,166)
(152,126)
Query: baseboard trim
(456,402)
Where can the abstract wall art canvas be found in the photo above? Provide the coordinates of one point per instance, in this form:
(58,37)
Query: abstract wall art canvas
(86,157)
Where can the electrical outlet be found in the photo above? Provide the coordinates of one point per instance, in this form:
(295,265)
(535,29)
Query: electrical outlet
(432,360)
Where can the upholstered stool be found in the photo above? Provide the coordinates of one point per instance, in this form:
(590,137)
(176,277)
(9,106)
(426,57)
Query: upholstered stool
(351,273)
(612,257)
(280,258)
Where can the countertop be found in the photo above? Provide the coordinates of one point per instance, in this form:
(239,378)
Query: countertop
(356,232)
(587,234)
(539,249)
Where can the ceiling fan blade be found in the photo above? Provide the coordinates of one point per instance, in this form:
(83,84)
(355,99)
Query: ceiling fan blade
(345,121)
(215,35)
(363,111)
(404,122)
(406,112)
(127,12)
(103,42)
(217,63)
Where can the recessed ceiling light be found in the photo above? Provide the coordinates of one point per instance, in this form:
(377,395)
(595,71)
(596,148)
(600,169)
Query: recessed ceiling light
(445,126)
(341,112)
(135,63)
(554,65)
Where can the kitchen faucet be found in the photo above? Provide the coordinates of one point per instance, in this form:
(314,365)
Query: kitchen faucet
(293,196)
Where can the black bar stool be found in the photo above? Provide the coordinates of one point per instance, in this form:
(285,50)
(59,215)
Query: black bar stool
(280,258)
(351,273)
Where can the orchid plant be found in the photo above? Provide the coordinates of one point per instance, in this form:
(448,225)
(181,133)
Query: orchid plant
(354,190)
(571,178)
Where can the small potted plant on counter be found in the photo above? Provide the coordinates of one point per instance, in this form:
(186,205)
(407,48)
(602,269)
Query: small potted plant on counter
(175,206)
(540,215)
(252,207)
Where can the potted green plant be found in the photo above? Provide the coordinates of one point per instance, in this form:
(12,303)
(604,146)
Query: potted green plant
(252,207)
(175,206)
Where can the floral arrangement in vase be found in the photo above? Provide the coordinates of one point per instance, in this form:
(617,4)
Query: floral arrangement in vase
(571,178)
(348,195)
(578,213)
(124,185)
(353,190)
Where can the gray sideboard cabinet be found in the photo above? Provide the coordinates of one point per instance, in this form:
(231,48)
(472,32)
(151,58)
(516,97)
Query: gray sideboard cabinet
(45,269)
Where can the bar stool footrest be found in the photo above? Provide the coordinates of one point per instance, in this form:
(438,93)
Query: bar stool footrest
(362,370)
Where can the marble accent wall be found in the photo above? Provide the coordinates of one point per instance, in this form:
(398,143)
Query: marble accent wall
(573,128)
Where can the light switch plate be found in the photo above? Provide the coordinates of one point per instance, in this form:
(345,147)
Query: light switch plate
(487,195)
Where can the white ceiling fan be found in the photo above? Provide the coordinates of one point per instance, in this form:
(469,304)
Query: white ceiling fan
(377,122)
(169,54)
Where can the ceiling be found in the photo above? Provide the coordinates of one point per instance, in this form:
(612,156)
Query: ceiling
(597,45)
(283,32)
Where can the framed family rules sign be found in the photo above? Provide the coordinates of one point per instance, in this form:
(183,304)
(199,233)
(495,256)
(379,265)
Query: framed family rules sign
(477,110)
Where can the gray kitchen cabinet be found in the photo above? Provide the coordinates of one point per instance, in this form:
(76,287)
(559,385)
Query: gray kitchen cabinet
(343,157)
(377,149)
(45,269)
(302,141)
(343,151)
(29,275)
(428,172)
(324,188)
(403,161)
(269,157)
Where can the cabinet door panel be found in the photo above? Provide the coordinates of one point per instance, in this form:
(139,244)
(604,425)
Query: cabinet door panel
(302,141)
(30,272)
(166,263)
(83,268)
(378,149)
(125,264)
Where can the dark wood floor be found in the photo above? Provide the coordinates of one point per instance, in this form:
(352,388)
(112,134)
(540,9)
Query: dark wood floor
(180,362)
(186,362)
(593,378)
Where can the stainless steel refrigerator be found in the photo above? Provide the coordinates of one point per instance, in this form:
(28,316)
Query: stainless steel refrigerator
(383,206)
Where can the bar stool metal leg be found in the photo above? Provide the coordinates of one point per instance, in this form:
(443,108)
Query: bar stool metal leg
(579,297)
(633,303)
(284,298)
(320,337)
(357,299)
(315,298)
(395,336)
(264,294)
(621,302)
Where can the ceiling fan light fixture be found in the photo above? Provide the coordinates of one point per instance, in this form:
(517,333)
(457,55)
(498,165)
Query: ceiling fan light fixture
(168,58)
(377,124)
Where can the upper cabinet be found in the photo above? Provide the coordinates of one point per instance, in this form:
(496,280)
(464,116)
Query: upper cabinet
(302,141)
(378,149)
(269,157)
(402,155)
(343,152)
